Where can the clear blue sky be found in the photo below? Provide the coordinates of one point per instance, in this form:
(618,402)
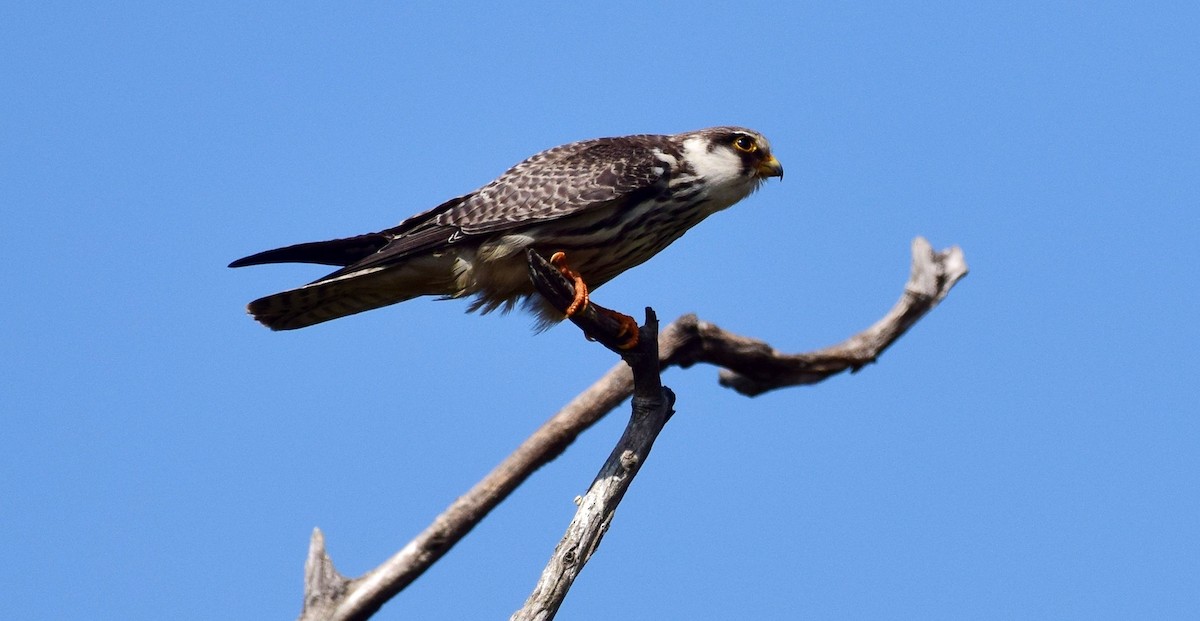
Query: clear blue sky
(1030,450)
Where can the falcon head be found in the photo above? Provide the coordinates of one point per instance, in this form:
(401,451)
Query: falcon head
(733,161)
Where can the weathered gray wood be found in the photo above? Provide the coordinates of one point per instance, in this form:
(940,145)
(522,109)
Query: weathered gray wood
(750,367)
(652,407)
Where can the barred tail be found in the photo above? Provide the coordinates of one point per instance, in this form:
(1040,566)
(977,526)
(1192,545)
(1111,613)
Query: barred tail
(344,295)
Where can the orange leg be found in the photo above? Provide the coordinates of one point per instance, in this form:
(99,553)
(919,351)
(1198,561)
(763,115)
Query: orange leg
(629,327)
(559,260)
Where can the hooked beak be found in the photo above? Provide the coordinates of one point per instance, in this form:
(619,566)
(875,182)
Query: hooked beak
(770,167)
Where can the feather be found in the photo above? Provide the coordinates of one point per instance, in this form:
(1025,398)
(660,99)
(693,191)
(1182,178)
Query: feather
(341,252)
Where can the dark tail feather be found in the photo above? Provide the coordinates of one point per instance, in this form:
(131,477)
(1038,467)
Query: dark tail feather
(353,293)
(341,252)
(313,304)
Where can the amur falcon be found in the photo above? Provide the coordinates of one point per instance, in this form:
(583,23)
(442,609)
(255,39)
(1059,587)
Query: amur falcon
(597,207)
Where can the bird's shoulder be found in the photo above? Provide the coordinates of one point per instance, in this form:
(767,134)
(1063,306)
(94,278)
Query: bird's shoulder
(563,180)
(555,183)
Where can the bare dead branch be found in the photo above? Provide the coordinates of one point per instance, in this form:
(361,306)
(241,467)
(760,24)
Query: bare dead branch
(750,367)
(753,367)
(330,596)
(652,403)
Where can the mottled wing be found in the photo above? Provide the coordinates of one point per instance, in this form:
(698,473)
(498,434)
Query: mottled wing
(564,181)
(557,183)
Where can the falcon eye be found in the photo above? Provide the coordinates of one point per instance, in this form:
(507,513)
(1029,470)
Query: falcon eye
(745,144)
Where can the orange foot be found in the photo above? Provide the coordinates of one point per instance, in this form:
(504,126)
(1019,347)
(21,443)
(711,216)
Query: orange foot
(559,260)
(628,334)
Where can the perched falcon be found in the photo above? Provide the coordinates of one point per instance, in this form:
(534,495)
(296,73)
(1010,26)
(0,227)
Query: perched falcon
(599,207)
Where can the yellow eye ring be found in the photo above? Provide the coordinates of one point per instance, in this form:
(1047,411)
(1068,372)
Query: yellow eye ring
(745,144)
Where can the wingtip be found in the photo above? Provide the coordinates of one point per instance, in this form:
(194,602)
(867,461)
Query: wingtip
(259,258)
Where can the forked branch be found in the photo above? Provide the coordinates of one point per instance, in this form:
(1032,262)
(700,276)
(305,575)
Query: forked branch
(750,367)
(652,407)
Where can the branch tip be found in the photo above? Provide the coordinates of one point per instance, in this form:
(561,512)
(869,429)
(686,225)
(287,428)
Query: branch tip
(324,587)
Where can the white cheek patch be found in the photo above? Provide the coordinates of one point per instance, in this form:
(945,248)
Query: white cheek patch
(725,180)
(720,166)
